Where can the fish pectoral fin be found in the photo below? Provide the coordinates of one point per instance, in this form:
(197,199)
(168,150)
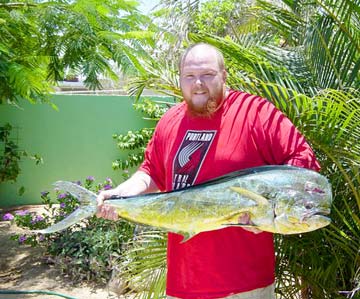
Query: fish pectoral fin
(242,225)
(260,200)
(187,236)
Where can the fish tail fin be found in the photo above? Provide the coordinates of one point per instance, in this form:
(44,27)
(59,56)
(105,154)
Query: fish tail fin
(84,195)
(87,208)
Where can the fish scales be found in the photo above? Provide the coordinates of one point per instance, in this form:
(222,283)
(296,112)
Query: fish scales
(280,199)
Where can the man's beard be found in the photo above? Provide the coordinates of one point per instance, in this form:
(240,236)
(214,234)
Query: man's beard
(205,111)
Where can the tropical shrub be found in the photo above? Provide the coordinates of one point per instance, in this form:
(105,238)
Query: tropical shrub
(43,41)
(86,250)
(10,156)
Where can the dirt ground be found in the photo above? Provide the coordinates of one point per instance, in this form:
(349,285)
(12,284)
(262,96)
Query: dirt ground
(21,269)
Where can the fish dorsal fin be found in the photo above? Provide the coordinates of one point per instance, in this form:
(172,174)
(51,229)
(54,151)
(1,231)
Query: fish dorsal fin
(260,200)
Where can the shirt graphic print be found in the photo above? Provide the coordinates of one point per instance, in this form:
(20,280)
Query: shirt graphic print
(190,156)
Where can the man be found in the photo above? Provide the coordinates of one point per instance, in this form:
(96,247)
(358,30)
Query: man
(215,131)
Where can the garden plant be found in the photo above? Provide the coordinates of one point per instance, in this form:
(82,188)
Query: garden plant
(88,250)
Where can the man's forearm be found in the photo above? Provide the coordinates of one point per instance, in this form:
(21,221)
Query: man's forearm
(140,182)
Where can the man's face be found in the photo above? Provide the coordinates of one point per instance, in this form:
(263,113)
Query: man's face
(202,82)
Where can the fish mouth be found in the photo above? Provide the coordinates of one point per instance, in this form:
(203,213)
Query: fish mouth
(320,214)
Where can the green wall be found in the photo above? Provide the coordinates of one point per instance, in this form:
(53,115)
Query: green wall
(75,141)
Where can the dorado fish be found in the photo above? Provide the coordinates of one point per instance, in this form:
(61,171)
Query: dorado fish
(279,199)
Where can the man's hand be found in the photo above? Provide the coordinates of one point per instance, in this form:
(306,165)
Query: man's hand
(244,218)
(138,183)
(103,210)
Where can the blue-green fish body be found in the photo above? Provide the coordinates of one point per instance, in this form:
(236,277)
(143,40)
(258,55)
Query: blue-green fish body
(280,199)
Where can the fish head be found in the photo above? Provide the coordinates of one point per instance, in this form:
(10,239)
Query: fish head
(285,225)
(299,211)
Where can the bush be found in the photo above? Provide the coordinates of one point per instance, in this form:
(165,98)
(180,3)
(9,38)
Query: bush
(86,250)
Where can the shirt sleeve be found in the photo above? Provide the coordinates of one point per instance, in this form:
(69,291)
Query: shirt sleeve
(153,165)
(282,143)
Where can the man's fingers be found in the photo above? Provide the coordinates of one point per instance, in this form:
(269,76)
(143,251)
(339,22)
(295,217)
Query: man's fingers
(107,212)
(103,195)
(100,200)
(103,210)
(244,218)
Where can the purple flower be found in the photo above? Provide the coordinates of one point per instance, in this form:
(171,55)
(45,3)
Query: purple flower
(22,238)
(62,205)
(90,178)
(41,238)
(22,212)
(78,183)
(44,193)
(36,219)
(8,217)
(109,181)
(62,195)
(107,187)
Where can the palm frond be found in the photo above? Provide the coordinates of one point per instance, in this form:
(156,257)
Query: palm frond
(249,66)
(328,33)
(330,121)
(143,265)
(285,19)
(159,77)
(333,54)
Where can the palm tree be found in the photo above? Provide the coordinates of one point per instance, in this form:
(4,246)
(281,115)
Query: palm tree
(308,66)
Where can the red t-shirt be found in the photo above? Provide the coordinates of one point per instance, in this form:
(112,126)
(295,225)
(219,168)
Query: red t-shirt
(246,131)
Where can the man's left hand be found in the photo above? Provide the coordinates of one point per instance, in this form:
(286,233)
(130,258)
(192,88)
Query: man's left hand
(244,218)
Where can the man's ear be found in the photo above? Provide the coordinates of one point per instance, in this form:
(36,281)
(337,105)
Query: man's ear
(224,75)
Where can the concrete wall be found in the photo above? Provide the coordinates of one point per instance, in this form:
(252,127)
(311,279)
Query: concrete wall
(75,141)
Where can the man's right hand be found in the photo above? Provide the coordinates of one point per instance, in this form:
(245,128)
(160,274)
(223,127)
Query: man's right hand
(138,183)
(103,210)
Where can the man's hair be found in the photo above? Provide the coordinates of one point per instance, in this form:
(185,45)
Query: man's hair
(219,55)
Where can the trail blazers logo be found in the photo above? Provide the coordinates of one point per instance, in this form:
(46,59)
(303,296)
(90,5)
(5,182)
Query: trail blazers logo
(190,156)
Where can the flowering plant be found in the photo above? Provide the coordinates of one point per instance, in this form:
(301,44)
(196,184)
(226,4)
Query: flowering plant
(85,250)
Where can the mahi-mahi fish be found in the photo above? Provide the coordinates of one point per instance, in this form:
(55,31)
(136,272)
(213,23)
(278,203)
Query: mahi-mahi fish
(279,199)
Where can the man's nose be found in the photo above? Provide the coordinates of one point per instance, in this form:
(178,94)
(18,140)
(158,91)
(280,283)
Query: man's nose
(198,81)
